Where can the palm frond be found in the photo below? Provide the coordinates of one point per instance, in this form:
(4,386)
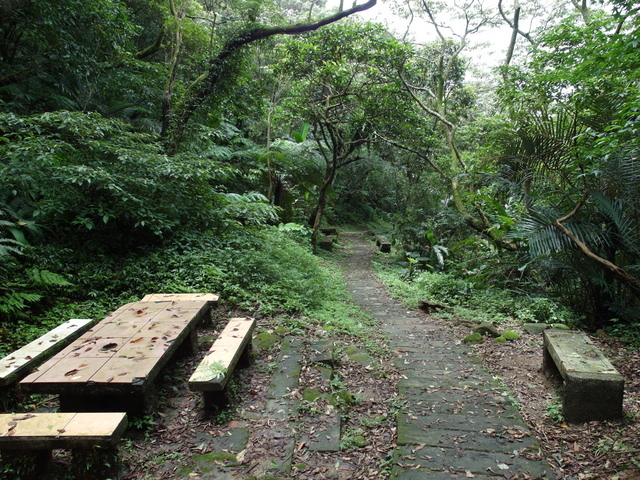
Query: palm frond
(544,239)
(626,230)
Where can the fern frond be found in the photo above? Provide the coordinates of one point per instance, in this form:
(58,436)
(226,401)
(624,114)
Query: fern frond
(47,279)
(13,303)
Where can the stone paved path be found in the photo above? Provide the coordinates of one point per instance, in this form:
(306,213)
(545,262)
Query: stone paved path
(457,421)
(454,419)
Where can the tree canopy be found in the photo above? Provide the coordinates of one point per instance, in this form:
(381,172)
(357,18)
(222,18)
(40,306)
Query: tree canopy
(127,125)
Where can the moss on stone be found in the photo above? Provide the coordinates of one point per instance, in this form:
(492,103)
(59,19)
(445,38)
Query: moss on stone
(359,441)
(500,339)
(510,335)
(209,461)
(264,340)
(310,394)
(487,329)
(473,338)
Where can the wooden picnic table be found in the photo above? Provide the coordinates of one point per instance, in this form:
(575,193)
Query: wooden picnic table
(112,367)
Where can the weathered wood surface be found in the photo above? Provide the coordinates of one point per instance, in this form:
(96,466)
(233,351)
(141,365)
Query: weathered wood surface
(44,431)
(217,366)
(194,297)
(123,353)
(18,364)
(594,389)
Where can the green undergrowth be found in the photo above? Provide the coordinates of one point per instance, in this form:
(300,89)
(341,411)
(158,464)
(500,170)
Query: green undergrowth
(266,270)
(461,298)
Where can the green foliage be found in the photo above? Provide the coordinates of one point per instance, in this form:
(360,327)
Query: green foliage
(86,176)
(55,52)
(474,301)
(554,410)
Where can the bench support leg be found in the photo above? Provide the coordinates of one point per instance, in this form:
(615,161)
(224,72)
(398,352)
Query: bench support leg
(246,357)
(133,404)
(27,464)
(190,345)
(215,400)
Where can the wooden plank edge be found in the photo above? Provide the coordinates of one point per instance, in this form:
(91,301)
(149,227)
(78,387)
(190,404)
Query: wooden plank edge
(21,371)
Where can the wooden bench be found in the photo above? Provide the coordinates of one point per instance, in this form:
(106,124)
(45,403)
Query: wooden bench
(593,388)
(48,431)
(18,364)
(383,243)
(232,346)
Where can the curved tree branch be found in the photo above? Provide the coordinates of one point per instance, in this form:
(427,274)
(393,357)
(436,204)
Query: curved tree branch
(216,66)
(625,276)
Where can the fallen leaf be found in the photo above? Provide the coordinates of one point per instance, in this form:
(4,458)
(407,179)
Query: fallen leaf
(240,456)
(71,373)
(136,340)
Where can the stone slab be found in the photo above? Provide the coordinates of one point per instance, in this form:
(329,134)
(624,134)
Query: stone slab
(412,431)
(459,461)
(287,374)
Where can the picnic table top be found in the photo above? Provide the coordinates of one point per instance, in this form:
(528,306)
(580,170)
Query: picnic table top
(122,353)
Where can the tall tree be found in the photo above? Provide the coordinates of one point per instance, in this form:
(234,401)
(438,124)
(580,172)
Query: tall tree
(347,89)
(251,31)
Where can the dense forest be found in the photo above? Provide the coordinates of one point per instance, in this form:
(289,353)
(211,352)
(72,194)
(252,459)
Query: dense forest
(200,145)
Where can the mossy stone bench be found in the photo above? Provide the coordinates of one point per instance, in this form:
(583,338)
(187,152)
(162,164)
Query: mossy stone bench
(232,347)
(48,431)
(326,243)
(383,243)
(593,388)
(18,364)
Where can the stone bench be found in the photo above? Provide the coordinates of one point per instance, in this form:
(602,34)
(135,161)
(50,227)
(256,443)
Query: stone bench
(326,243)
(49,431)
(18,364)
(383,243)
(593,388)
(232,346)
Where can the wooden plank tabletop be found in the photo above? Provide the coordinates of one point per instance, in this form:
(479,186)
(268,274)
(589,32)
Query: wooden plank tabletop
(163,297)
(122,353)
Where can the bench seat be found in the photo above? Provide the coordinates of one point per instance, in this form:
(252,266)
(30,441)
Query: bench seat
(48,431)
(213,373)
(18,364)
(593,388)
